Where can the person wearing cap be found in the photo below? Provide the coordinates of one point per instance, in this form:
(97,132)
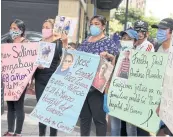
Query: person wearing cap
(164,37)
(143,44)
(128,39)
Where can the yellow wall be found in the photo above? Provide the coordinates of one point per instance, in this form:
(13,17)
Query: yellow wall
(69,8)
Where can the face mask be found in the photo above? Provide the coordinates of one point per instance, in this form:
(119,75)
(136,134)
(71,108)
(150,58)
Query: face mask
(161,35)
(126,45)
(46,33)
(15,33)
(94,30)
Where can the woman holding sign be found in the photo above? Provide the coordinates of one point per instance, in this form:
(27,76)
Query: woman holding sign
(129,37)
(93,105)
(16,108)
(42,75)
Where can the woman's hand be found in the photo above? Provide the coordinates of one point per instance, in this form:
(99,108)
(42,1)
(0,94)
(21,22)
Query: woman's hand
(40,67)
(64,40)
(157,110)
(107,55)
(104,54)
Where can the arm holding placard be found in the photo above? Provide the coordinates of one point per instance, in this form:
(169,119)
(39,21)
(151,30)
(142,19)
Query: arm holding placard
(105,105)
(108,56)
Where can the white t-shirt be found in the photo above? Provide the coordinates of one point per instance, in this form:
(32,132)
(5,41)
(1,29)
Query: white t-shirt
(170,49)
(146,46)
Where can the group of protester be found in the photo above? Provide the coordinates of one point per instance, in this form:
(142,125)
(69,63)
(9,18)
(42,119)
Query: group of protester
(95,106)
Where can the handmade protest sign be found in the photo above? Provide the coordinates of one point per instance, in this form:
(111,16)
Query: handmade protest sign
(166,107)
(46,52)
(62,100)
(103,74)
(65,25)
(135,89)
(17,68)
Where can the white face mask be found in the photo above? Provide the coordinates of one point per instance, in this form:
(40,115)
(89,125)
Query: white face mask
(126,45)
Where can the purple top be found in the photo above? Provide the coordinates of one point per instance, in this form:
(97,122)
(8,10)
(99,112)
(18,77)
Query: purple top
(105,44)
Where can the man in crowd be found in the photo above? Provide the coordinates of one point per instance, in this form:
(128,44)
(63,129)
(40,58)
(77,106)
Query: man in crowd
(143,44)
(164,37)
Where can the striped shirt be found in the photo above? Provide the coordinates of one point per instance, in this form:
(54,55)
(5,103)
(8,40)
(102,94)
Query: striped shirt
(145,46)
(125,65)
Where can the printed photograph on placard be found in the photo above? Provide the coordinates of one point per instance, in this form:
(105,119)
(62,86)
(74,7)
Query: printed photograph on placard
(103,74)
(46,54)
(65,93)
(59,24)
(123,65)
(66,64)
(65,25)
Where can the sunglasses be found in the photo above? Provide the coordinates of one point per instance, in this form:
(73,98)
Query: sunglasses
(141,30)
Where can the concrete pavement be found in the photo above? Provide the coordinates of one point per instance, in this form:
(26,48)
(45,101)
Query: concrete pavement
(30,127)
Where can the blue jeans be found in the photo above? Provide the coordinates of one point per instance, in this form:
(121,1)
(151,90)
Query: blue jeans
(116,127)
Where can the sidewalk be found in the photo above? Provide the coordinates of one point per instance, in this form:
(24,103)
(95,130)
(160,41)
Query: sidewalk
(30,127)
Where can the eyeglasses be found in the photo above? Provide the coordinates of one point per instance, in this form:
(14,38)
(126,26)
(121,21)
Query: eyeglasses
(67,61)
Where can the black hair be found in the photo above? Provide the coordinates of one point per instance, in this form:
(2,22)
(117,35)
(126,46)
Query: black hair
(101,18)
(72,44)
(20,24)
(68,54)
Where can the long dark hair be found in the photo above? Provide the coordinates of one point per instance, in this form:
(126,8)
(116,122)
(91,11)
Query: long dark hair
(20,24)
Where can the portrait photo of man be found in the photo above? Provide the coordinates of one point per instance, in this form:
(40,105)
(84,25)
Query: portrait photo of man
(67,62)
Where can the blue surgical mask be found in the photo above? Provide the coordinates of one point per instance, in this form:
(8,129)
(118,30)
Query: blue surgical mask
(161,35)
(95,30)
(15,33)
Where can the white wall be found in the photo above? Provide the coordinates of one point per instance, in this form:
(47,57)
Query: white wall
(159,8)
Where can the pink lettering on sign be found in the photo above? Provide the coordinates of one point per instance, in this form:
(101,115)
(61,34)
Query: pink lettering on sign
(17,68)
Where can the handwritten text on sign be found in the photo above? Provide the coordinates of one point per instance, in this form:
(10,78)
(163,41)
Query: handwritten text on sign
(166,108)
(17,68)
(62,100)
(136,99)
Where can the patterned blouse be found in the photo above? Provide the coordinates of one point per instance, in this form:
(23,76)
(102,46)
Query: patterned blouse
(105,44)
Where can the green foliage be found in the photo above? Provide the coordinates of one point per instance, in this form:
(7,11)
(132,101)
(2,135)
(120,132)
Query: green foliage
(114,26)
(134,15)
(151,21)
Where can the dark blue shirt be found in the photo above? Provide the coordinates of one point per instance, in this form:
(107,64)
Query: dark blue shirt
(62,73)
(105,44)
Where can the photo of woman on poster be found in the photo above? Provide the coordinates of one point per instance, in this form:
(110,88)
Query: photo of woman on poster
(100,78)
